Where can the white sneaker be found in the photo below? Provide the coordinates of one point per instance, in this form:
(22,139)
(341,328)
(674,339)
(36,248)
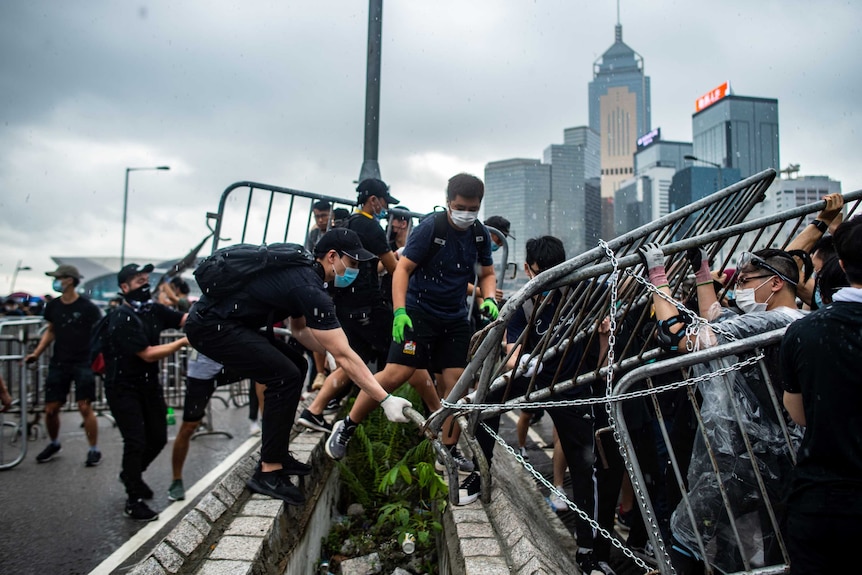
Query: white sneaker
(254,428)
(557,503)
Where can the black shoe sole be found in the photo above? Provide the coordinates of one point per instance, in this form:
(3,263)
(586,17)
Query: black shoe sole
(256,486)
(144,519)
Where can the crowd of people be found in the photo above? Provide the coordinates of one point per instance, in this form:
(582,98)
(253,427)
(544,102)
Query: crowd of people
(373,308)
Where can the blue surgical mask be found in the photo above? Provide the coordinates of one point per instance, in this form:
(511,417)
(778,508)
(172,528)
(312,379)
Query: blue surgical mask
(57,285)
(817,298)
(494,247)
(349,276)
(383,215)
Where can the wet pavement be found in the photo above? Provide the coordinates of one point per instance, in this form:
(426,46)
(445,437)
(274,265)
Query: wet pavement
(61,517)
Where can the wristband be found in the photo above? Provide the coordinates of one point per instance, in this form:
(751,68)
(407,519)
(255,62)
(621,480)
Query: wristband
(388,395)
(820,225)
(709,283)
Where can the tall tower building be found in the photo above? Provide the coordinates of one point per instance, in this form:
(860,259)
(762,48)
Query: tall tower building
(736,131)
(619,100)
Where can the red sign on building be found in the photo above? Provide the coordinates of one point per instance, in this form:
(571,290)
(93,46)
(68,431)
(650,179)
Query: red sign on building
(712,97)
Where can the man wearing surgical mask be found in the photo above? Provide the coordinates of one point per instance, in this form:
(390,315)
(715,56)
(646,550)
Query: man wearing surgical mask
(765,289)
(364,316)
(133,388)
(431,327)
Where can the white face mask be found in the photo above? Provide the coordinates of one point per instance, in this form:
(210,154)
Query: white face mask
(747,303)
(463,219)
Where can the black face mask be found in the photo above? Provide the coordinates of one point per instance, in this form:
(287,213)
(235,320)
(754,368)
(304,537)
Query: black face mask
(141,294)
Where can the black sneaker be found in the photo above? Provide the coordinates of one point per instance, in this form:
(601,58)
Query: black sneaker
(624,518)
(468,491)
(48,453)
(140,511)
(145,491)
(336,445)
(465,466)
(93,458)
(313,422)
(587,564)
(293,466)
(275,485)
(332,406)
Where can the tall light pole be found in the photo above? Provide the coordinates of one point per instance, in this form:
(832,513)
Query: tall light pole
(714,164)
(126,205)
(18,268)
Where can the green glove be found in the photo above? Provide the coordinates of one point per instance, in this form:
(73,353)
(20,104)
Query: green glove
(489,308)
(401,321)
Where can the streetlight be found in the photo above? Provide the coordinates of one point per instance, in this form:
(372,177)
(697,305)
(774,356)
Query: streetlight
(18,268)
(125,206)
(714,164)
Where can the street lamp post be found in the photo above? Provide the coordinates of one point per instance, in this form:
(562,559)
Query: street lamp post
(18,268)
(714,164)
(125,208)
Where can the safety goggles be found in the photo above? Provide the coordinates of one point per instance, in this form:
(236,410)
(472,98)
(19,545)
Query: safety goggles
(749,259)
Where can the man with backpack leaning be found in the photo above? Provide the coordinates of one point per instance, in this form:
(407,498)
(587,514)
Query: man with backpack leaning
(243,296)
(129,337)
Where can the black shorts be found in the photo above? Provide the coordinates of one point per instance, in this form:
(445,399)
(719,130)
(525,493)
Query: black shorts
(200,391)
(59,382)
(434,344)
(368,331)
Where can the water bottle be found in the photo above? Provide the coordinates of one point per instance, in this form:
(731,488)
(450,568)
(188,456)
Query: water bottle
(172,420)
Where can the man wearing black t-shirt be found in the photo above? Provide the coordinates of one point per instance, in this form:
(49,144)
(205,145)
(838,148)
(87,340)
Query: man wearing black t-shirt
(70,318)
(228,330)
(820,360)
(132,386)
(364,316)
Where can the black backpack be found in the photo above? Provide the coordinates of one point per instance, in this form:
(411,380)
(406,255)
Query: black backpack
(228,269)
(99,336)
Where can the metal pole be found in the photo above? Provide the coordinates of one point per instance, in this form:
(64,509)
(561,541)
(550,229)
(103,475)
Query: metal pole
(370,166)
(125,206)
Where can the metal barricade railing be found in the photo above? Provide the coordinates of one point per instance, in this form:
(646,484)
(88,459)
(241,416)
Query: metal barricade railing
(607,282)
(17,339)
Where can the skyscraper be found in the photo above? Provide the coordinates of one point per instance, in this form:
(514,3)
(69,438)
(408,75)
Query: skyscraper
(560,196)
(619,100)
(736,131)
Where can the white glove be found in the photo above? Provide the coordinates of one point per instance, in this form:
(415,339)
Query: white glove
(529,365)
(393,407)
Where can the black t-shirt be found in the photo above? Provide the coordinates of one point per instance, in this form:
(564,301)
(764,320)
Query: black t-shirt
(72,324)
(270,297)
(365,289)
(821,358)
(130,333)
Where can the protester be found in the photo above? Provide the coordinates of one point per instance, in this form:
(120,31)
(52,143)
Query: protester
(132,385)
(821,359)
(431,328)
(322,212)
(228,330)
(69,320)
(766,294)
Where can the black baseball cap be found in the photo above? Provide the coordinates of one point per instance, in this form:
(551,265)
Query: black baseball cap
(131,270)
(345,242)
(403,215)
(374,187)
(501,224)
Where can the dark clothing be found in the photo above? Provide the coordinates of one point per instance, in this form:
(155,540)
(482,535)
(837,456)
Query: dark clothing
(59,382)
(140,412)
(133,389)
(368,331)
(821,358)
(439,287)
(432,343)
(72,324)
(229,332)
(365,289)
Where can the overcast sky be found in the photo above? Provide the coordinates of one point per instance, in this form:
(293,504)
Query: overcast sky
(274,92)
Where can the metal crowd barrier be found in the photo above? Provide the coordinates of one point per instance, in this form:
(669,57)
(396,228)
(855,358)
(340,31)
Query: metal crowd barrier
(607,282)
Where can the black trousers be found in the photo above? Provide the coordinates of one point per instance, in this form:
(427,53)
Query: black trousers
(140,412)
(271,362)
(576,434)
